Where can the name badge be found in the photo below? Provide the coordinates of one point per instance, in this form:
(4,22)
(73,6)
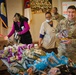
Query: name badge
(22,27)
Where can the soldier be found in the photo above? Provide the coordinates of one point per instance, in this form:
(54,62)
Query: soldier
(56,15)
(67,44)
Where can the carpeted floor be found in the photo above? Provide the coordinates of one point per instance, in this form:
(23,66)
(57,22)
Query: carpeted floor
(4,72)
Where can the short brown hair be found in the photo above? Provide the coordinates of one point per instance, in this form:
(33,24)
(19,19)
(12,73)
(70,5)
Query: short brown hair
(48,13)
(72,7)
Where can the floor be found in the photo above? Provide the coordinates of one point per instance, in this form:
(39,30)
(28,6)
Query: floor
(3,70)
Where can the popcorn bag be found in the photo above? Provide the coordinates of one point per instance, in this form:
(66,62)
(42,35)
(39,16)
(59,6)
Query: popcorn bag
(64,35)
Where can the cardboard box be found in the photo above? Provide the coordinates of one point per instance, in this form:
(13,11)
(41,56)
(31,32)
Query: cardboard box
(2,66)
(1,38)
(1,63)
(3,43)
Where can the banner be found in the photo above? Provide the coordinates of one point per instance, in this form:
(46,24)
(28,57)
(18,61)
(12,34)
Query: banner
(27,10)
(3,13)
(26,4)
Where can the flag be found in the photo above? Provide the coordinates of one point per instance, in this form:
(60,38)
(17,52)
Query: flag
(3,13)
(26,3)
(27,10)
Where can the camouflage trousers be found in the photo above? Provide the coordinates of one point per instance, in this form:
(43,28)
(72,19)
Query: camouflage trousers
(67,50)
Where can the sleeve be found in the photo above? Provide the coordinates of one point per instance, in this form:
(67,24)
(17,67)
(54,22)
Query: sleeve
(11,32)
(58,28)
(41,36)
(26,28)
(74,41)
(61,25)
(74,37)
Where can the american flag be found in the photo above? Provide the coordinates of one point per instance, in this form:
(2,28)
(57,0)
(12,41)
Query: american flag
(3,13)
(27,10)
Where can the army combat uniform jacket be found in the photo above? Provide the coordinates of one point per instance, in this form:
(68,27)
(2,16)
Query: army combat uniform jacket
(68,49)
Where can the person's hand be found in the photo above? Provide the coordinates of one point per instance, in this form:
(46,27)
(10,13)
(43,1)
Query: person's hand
(59,35)
(68,41)
(30,71)
(40,45)
(6,38)
(54,71)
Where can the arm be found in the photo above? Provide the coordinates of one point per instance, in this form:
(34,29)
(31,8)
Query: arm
(41,35)
(40,40)
(26,28)
(72,39)
(58,29)
(11,32)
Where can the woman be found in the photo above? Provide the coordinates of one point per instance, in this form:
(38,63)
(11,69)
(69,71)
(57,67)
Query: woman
(47,38)
(21,28)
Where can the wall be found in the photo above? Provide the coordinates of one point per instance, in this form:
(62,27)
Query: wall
(35,24)
(13,6)
(55,3)
(58,4)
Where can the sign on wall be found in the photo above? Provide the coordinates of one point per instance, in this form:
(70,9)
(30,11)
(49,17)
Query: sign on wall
(65,6)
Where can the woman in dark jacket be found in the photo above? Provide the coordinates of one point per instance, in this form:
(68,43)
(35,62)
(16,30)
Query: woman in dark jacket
(21,28)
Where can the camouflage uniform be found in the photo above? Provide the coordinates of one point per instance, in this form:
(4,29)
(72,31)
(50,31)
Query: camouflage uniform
(70,49)
(60,17)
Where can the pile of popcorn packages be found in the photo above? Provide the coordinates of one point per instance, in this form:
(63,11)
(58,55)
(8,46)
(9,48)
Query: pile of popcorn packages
(30,60)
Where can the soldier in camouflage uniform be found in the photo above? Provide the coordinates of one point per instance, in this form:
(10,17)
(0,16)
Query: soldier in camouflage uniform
(56,15)
(68,47)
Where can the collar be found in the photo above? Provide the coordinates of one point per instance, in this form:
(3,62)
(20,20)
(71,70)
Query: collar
(71,22)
